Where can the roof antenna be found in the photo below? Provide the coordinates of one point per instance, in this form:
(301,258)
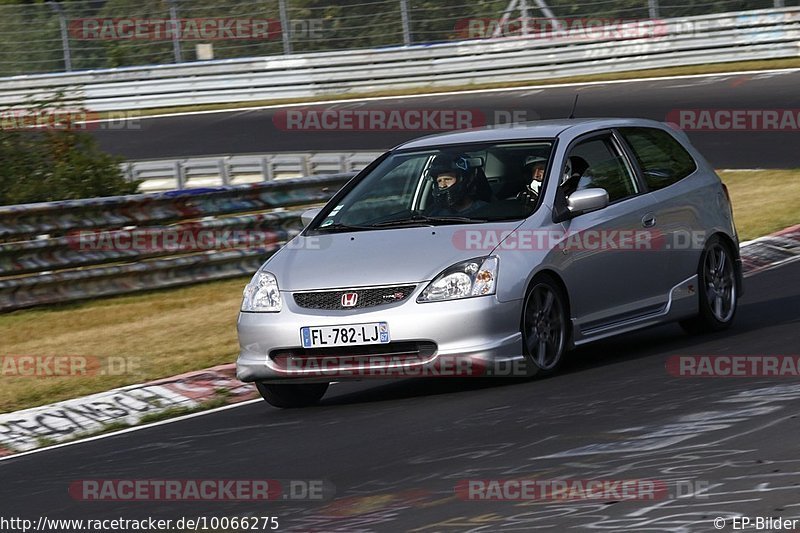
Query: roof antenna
(574,105)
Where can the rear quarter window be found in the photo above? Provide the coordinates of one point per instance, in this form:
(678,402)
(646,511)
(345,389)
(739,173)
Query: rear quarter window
(662,158)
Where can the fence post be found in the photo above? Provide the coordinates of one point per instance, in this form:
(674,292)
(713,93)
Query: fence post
(653,7)
(128,170)
(176,29)
(306,164)
(180,176)
(222,166)
(285,27)
(62,23)
(266,168)
(406,21)
(526,21)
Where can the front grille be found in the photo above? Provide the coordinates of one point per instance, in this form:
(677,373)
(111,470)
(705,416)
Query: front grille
(371,297)
(406,352)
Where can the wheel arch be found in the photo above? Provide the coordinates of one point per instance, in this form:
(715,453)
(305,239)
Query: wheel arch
(554,277)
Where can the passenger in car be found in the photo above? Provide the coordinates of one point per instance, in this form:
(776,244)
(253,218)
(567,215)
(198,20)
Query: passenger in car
(533,171)
(573,171)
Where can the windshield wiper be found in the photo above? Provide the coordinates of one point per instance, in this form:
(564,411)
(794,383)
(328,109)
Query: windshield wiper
(428,221)
(339,227)
(467,220)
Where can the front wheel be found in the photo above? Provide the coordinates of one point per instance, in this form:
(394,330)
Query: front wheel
(544,327)
(718,297)
(292,395)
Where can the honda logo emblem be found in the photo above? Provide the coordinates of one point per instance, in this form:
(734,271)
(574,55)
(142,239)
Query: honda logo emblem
(349,299)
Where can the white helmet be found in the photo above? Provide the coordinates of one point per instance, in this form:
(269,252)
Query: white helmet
(531,161)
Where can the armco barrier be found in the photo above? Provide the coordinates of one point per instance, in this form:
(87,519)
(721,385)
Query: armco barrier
(72,285)
(57,218)
(758,34)
(49,252)
(86,248)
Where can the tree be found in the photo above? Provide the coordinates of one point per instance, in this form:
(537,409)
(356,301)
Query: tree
(58,160)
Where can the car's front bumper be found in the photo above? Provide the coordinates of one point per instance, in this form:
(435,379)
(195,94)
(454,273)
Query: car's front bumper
(479,330)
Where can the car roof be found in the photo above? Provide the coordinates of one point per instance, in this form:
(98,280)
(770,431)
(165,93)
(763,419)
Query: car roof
(539,129)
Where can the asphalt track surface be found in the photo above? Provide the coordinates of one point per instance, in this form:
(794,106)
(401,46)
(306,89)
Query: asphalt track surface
(394,451)
(259,131)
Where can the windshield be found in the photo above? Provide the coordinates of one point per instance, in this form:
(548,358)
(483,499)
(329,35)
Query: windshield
(446,185)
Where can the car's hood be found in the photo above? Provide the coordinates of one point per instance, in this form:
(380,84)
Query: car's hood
(380,257)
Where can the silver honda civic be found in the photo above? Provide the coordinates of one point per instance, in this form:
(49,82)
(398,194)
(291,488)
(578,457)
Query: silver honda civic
(493,252)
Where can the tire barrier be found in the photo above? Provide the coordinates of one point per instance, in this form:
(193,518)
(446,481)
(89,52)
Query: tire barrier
(59,252)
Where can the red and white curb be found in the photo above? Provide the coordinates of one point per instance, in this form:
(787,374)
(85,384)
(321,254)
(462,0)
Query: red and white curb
(41,426)
(70,419)
(771,250)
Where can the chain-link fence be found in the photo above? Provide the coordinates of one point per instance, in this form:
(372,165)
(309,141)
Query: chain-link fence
(94,34)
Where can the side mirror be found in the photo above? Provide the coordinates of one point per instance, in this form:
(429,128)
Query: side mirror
(586,201)
(309,215)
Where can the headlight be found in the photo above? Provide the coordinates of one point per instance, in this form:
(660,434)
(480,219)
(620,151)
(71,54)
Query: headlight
(476,277)
(261,295)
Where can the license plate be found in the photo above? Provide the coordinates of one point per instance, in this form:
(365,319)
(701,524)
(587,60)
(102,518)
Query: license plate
(347,335)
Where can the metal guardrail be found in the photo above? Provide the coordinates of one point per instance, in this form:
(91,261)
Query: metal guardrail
(31,221)
(170,174)
(76,249)
(759,34)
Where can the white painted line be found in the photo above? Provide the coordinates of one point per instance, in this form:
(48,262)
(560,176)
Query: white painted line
(456,93)
(132,429)
(772,266)
(758,429)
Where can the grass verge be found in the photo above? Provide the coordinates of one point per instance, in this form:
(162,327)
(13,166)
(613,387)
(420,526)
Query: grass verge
(764,201)
(716,68)
(157,333)
(173,331)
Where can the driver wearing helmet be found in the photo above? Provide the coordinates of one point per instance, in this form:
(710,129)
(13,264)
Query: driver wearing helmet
(453,186)
(533,172)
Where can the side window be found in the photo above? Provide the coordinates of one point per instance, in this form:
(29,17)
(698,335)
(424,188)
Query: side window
(663,160)
(597,163)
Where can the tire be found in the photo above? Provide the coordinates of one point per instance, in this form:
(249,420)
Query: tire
(545,328)
(718,295)
(291,395)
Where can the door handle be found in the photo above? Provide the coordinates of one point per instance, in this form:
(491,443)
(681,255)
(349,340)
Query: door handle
(649,220)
